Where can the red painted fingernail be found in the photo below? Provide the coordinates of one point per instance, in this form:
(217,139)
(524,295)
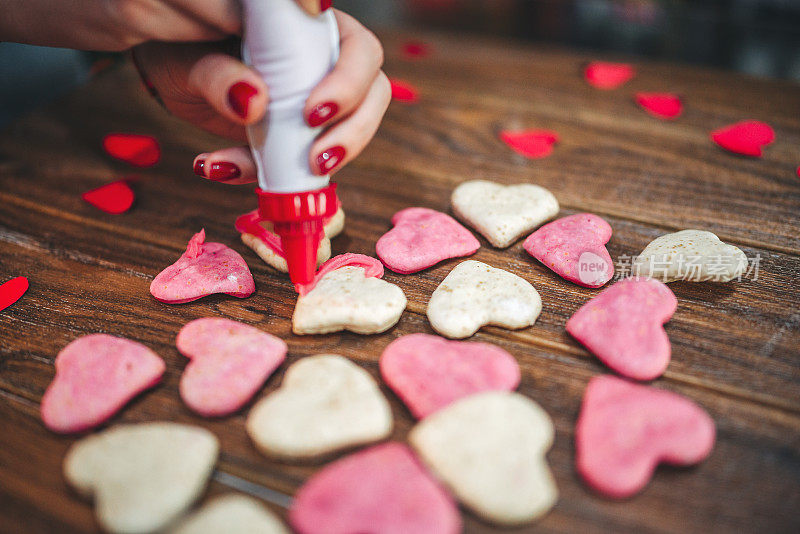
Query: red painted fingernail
(223,171)
(329,159)
(322,113)
(325,4)
(239,96)
(198,167)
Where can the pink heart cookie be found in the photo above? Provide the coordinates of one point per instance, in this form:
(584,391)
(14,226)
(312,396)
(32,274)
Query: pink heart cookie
(574,248)
(383,489)
(204,269)
(229,363)
(623,326)
(421,238)
(428,372)
(625,430)
(96,375)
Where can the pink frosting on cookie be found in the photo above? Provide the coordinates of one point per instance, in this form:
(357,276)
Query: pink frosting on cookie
(429,372)
(625,430)
(372,269)
(421,238)
(229,363)
(248,223)
(381,489)
(96,375)
(623,326)
(204,269)
(574,248)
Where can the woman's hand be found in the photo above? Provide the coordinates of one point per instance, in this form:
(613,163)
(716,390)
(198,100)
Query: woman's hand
(209,87)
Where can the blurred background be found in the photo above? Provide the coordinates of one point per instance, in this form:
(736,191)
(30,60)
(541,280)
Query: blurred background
(757,37)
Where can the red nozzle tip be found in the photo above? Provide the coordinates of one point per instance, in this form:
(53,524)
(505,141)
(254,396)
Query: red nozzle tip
(298,221)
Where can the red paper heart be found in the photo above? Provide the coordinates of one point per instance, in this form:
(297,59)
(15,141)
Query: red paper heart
(604,75)
(745,138)
(137,150)
(404,91)
(116,197)
(12,291)
(533,144)
(661,105)
(415,50)
(625,430)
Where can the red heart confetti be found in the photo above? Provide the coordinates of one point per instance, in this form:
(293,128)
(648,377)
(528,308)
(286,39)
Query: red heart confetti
(137,150)
(404,91)
(745,138)
(534,144)
(116,197)
(12,291)
(415,50)
(661,105)
(604,75)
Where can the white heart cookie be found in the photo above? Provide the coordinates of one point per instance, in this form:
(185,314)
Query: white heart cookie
(142,476)
(325,403)
(475,294)
(346,299)
(232,513)
(693,255)
(278,262)
(489,449)
(503,213)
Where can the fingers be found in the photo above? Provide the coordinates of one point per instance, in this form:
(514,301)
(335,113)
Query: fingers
(236,91)
(345,140)
(341,91)
(314,7)
(223,15)
(142,21)
(230,165)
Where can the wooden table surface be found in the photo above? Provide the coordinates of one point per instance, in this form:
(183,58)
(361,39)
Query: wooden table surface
(736,346)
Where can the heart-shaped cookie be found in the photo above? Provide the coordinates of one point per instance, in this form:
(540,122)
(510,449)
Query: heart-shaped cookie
(326,403)
(533,144)
(421,238)
(574,248)
(348,294)
(232,513)
(115,198)
(204,269)
(693,255)
(489,449)
(383,489)
(142,477)
(625,430)
(12,290)
(623,326)
(229,363)
(503,213)
(259,236)
(429,373)
(662,105)
(604,75)
(475,294)
(746,138)
(96,375)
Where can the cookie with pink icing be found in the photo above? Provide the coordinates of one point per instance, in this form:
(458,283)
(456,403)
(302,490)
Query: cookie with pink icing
(421,238)
(625,430)
(230,361)
(624,327)
(381,489)
(574,248)
(204,269)
(429,372)
(96,375)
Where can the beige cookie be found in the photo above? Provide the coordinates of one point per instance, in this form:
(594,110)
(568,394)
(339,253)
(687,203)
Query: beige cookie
(503,213)
(232,513)
(489,449)
(346,299)
(475,294)
(326,403)
(144,476)
(693,255)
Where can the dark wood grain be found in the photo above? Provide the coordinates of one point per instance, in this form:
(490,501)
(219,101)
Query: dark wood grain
(736,347)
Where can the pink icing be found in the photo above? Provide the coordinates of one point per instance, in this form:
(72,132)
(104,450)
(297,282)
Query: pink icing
(372,269)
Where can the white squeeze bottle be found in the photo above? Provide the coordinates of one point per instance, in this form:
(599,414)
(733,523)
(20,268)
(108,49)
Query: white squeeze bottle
(292,51)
